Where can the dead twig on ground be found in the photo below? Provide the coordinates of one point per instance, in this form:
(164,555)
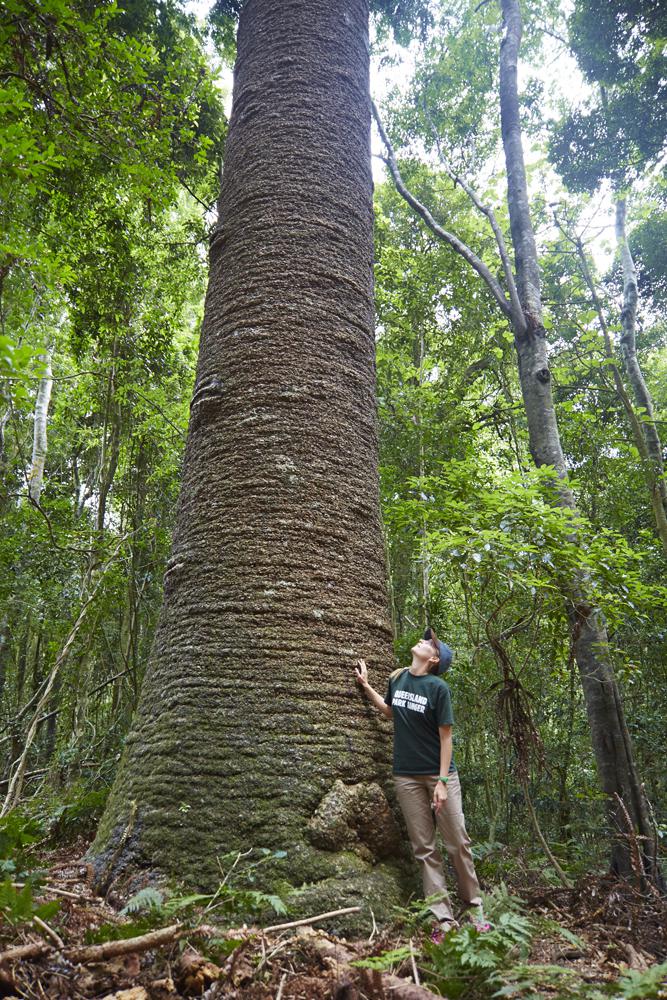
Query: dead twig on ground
(312,920)
(49,931)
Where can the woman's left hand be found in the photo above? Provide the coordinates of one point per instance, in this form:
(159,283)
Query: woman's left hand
(439,796)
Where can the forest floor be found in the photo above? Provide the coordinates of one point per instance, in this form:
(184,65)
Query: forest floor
(607,927)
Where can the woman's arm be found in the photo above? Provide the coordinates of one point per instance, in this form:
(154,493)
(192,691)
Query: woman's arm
(361,677)
(440,792)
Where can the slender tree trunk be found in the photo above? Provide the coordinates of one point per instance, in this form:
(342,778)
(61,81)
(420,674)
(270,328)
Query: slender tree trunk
(652,471)
(276,581)
(39,442)
(4,418)
(110,445)
(630,360)
(610,737)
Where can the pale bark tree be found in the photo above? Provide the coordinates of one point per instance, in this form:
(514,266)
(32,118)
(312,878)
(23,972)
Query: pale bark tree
(39,436)
(610,736)
(276,581)
(633,370)
(642,424)
(110,441)
(521,302)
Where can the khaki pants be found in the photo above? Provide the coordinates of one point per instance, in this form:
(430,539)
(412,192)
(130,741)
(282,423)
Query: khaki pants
(415,794)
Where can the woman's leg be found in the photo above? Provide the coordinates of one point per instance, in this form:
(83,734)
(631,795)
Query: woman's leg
(451,824)
(414,797)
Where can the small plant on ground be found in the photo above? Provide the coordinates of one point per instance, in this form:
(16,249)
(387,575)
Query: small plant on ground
(19,875)
(386,961)
(651,984)
(231,903)
(468,963)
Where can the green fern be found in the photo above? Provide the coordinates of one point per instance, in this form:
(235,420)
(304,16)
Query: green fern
(644,985)
(469,963)
(385,961)
(412,916)
(17,833)
(525,981)
(145,900)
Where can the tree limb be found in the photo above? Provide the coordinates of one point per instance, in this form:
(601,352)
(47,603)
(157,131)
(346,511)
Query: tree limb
(453,241)
(486,210)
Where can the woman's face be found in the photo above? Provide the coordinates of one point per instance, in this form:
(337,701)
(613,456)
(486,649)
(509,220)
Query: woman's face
(426,650)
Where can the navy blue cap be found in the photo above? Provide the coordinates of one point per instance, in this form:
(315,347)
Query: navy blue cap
(446,654)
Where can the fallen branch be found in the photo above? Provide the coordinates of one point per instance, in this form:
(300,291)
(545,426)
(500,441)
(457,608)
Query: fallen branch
(312,920)
(52,888)
(22,951)
(112,949)
(81,954)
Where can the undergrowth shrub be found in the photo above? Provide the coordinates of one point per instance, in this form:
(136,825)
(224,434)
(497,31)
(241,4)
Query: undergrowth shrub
(472,965)
(20,876)
(469,963)
(78,815)
(232,902)
(70,813)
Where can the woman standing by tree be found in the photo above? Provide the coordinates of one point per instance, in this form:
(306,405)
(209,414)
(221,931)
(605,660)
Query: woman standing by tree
(427,783)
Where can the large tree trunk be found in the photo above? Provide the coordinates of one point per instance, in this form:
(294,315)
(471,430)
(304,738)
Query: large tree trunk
(276,581)
(610,737)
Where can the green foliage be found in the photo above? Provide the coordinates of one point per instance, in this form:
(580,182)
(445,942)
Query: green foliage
(15,363)
(385,961)
(529,980)
(646,985)
(122,931)
(620,47)
(79,814)
(17,906)
(513,527)
(17,835)
(405,18)
(469,962)
(112,132)
(150,908)
(648,242)
(146,899)
(232,901)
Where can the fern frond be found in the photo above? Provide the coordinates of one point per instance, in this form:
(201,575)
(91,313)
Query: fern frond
(145,899)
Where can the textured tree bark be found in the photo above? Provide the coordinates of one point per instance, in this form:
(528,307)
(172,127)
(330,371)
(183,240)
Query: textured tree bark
(629,353)
(39,442)
(610,736)
(276,581)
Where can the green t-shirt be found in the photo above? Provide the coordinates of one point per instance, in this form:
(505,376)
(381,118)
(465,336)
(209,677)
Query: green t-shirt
(419,705)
